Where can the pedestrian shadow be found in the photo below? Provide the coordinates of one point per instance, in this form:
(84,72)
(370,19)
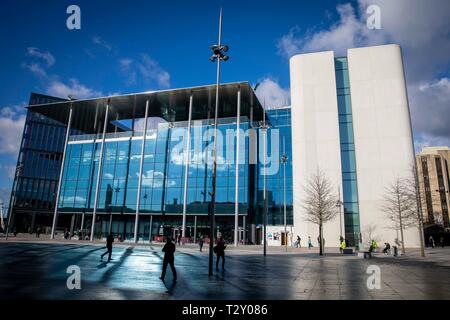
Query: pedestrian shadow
(170,287)
(108,273)
(102,265)
(219,275)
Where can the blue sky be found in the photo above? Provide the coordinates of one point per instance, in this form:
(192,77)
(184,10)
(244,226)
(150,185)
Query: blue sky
(135,46)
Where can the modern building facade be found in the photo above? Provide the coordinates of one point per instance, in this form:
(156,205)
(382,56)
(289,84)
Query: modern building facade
(140,164)
(350,120)
(433,164)
(38,167)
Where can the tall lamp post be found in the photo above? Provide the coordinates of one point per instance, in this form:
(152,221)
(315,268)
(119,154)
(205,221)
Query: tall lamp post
(217,56)
(340,204)
(284,160)
(264,127)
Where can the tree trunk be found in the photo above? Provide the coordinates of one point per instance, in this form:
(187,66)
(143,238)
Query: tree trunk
(320,240)
(401,234)
(419,213)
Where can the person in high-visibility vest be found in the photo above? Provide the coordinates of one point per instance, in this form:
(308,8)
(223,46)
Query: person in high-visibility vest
(343,246)
(373,246)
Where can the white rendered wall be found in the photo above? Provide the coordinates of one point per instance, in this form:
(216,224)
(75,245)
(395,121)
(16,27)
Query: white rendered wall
(382,132)
(315,135)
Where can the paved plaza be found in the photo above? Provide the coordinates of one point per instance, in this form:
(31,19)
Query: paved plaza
(37,270)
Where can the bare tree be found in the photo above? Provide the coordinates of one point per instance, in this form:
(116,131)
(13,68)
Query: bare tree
(320,202)
(420,202)
(400,206)
(369,232)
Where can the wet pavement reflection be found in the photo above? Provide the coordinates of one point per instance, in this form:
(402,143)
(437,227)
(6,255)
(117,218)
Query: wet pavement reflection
(38,271)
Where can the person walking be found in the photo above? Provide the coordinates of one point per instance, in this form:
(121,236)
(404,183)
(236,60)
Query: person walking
(299,245)
(109,244)
(309,242)
(431,241)
(219,249)
(387,248)
(38,232)
(169,258)
(200,243)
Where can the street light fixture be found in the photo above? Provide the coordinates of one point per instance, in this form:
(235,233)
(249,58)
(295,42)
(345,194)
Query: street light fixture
(217,56)
(340,204)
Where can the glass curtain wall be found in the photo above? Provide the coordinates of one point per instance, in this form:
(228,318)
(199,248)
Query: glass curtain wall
(277,144)
(161,200)
(38,165)
(348,160)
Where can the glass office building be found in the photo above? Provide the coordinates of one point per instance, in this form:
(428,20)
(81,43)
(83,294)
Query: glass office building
(38,166)
(141,165)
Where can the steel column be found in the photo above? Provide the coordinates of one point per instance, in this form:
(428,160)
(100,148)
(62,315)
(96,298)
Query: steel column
(236,194)
(187,154)
(99,173)
(141,168)
(58,191)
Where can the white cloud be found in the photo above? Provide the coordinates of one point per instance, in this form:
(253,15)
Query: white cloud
(12,120)
(150,69)
(4,197)
(36,69)
(271,94)
(125,63)
(154,179)
(46,56)
(102,43)
(8,170)
(426,140)
(126,68)
(430,106)
(54,86)
(421,28)
(74,88)
(70,199)
(348,32)
(146,68)
(109,176)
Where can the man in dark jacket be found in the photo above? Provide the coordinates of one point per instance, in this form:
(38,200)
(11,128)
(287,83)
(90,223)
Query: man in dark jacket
(109,243)
(220,252)
(169,250)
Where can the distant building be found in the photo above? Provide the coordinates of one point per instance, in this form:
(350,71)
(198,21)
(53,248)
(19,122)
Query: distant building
(434,180)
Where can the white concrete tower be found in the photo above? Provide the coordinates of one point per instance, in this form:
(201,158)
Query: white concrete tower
(382,135)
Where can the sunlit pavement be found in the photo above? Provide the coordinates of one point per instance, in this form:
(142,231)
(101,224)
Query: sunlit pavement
(37,270)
